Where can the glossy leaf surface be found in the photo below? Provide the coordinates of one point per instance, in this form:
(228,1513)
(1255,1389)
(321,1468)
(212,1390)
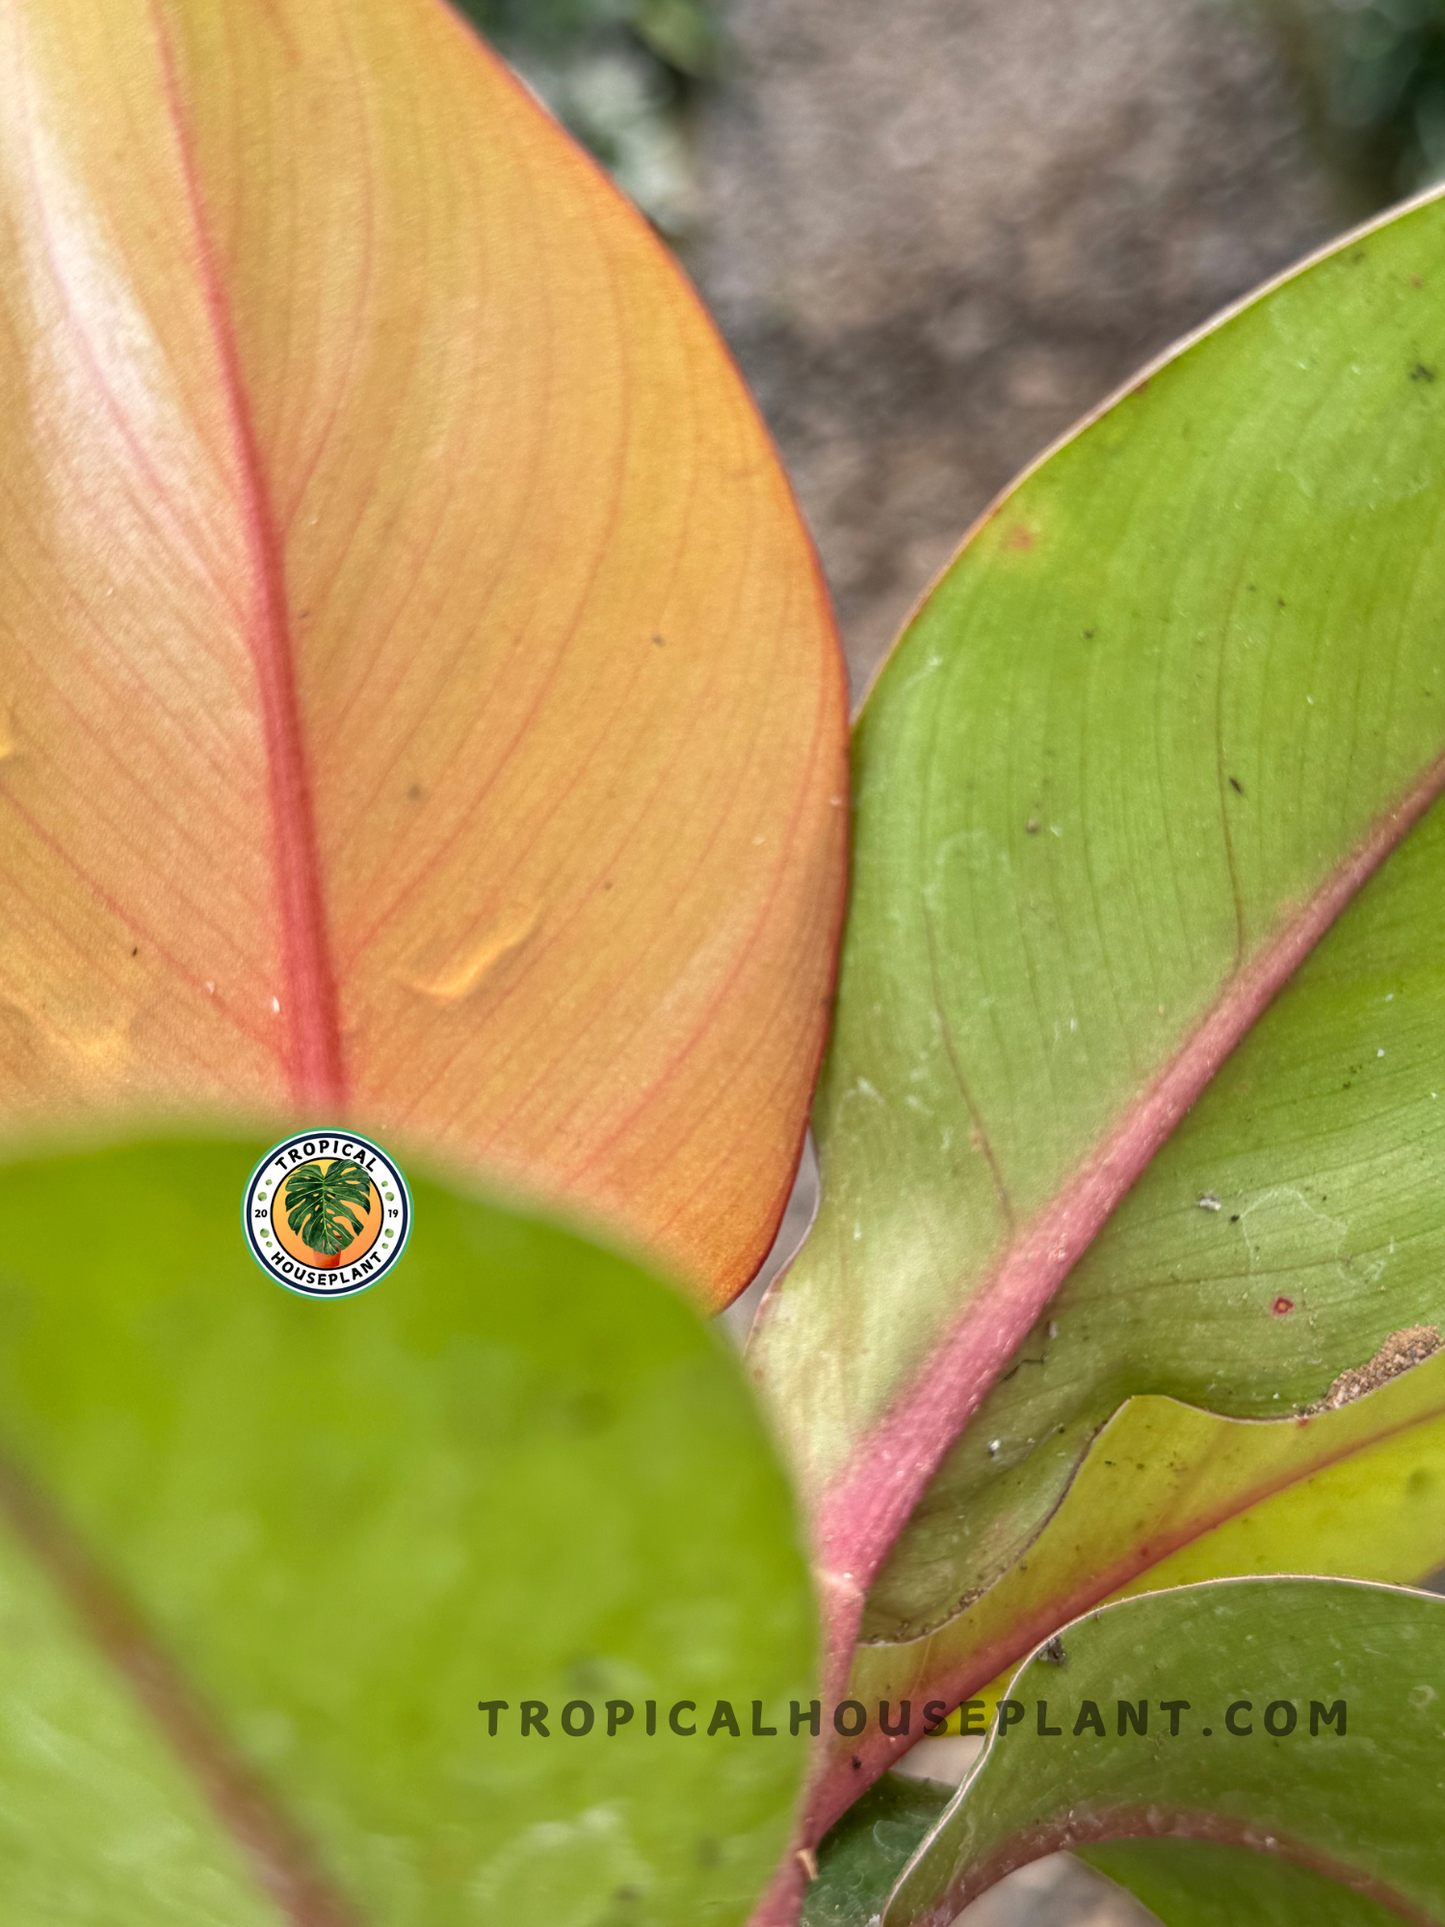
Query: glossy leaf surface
(417,698)
(1144,829)
(1243,1669)
(264,1555)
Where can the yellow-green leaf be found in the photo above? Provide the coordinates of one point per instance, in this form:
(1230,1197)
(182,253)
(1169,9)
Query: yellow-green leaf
(1298,1719)
(1169,1496)
(273,1567)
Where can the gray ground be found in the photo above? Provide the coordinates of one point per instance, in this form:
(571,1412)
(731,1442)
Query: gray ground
(1057,1892)
(935,232)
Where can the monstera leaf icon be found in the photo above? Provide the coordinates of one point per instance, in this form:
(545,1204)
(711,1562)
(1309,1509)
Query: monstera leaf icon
(319,1204)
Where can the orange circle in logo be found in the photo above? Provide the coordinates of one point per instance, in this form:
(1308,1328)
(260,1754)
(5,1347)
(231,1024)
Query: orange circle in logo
(326,1213)
(371,1221)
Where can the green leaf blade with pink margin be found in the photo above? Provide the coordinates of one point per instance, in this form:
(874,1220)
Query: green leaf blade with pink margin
(1184,1883)
(869,1505)
(1176,703)
(1355,1807)
(1171,1496)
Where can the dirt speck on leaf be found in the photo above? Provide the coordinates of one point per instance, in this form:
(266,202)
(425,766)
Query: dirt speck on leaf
(1399,1352)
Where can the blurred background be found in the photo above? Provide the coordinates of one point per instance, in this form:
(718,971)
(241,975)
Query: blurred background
(935,232)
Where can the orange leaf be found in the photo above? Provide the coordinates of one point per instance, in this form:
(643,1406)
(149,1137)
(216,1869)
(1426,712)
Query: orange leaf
(419,698)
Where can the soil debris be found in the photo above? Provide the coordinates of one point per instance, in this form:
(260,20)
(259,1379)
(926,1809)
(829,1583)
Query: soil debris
(1399,1352)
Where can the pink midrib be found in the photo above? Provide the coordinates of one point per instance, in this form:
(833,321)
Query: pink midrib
(861,1514)
(840,1786)
(283,1864)
(1082,1827)
(312,1057)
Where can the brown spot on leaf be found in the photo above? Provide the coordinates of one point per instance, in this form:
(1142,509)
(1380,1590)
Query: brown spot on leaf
(1281,1306)
(1021,538)
(1400,1351)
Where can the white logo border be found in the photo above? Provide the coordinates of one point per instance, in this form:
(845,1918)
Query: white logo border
(298,1140)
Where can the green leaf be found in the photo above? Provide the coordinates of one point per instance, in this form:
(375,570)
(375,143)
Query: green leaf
(684,33)
(317,1197)
(1192,1883)
(1169,1496)
(1186,1883)
(1355,1800)
(264,1556)
(865,1853)
(1141,1001)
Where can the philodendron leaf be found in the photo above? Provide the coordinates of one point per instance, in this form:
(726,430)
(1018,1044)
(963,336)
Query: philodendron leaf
(860,1860)
(1299,1718)
(417,698)
(1186,1883)
(263,1556)
(1143,824)
(319,1203)
(1193,1883)
(1166,1497)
